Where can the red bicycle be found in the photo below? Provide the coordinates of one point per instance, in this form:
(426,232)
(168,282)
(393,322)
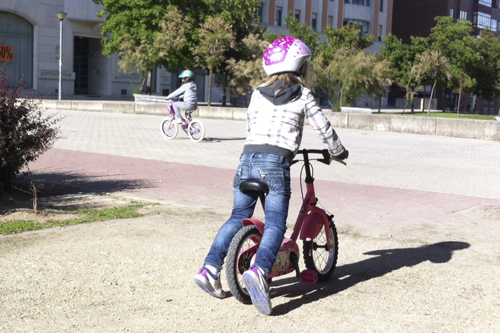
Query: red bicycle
(314,227)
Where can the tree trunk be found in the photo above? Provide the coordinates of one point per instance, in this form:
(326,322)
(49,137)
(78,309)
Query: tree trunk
(459,101)
(210,87)
(224,90)
(149,82)
(430,98)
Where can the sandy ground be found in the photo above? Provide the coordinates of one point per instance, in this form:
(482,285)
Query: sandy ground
(137,276)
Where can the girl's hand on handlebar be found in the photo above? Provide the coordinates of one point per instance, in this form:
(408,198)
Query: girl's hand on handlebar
(340,158)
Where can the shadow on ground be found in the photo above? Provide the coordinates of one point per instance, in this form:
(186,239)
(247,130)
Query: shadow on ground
(62,184)
(379,263)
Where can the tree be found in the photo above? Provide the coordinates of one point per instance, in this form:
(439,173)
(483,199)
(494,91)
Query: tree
(353,74)
(488,46)
(248,73)
(431,65)
(402,58)
(25,132)
(343,71)
(132,26)
(216,36)
(244,19)
(303,32)
(455,41)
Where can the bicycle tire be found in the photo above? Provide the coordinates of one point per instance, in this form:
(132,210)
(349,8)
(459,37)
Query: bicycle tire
(196,131)
(317,258)
(169,128)
(246,239)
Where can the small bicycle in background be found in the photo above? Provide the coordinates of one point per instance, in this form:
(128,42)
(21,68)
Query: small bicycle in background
(193,127)
(314,227)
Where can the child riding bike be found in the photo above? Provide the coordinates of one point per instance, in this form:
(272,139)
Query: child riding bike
(275,122)
(188,93)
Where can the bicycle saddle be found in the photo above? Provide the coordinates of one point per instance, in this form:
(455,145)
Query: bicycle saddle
(254,185)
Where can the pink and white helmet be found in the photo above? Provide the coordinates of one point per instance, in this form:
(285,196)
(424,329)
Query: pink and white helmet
(285,54)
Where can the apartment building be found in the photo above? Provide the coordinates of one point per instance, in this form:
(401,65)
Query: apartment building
(31,36)
(374,16)
(416,18)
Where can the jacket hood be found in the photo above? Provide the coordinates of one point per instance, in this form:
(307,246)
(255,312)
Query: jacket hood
(284,96)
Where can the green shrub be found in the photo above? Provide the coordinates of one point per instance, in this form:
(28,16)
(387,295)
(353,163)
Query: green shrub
(25,132)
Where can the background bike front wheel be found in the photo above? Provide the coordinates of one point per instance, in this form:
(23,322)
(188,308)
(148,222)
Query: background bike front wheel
(196,131)
(169,128)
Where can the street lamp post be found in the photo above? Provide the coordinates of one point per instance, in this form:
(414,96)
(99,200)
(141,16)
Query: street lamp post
(61,16)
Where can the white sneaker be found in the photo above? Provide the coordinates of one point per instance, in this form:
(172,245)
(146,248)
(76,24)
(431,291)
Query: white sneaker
(209,283)
(258,288)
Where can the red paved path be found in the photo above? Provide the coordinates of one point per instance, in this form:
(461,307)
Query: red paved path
(376,208)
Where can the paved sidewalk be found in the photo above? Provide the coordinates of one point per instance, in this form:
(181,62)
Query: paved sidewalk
(391,179)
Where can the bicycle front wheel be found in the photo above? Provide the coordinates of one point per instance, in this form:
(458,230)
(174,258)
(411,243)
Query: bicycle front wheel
(317,257)
(239,257)
(169,128)
(196,131)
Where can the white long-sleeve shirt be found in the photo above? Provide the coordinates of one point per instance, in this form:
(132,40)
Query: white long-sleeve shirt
(281,125)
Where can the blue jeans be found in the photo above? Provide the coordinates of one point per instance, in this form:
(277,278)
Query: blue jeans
(274,170)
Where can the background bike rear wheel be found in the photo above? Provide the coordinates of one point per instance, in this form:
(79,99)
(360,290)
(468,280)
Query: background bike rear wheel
(317,257)
(196,131)
(241,250)
(169,128)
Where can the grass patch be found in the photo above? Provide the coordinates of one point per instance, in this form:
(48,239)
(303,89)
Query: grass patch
(442,115)
(85,216)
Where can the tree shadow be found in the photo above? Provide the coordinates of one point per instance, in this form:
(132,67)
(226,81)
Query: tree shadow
(346,276)
(60,184)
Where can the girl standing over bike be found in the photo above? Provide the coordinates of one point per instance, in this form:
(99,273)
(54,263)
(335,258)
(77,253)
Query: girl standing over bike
(275,122)
(188,93)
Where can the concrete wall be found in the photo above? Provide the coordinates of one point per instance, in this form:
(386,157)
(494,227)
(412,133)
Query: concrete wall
(461,128)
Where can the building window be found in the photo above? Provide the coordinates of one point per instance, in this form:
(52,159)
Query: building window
(359,2)
(297,14)
(463,14)
(380,28)
(330,20)
(452,13)
(363,24)
(381,5)
(494,25)
(260,13)
(485,2)
(482,20)
(279,14)
(314,21)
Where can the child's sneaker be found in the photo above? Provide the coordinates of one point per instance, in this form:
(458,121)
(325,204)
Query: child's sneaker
(210,283)
(258,288)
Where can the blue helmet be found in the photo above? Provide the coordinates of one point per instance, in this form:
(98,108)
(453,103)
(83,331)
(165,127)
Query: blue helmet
(186,73)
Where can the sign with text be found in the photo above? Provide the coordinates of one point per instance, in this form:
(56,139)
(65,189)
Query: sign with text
(6,53)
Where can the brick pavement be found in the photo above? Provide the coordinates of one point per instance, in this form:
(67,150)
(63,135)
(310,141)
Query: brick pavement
(391,179)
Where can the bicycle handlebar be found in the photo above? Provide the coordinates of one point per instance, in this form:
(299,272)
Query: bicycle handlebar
(327,158)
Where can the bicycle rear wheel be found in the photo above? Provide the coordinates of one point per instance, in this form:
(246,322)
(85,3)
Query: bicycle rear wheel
(317,257)
(196,131)
(169,128)
(239,259)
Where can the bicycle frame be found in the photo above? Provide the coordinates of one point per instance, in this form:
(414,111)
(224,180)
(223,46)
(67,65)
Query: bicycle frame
(185,121)
(310,219)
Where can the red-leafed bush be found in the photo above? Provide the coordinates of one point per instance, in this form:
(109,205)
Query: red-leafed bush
(25,131)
